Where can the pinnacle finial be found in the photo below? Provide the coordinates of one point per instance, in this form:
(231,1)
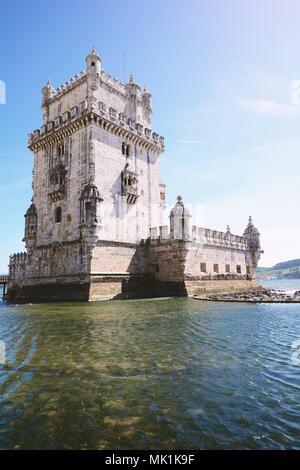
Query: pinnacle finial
(228,229)
(250,219)
(48,84)
(179,199)
(131,78)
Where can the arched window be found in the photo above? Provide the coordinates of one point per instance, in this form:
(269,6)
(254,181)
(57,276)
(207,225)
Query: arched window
(58,215)
(127,150)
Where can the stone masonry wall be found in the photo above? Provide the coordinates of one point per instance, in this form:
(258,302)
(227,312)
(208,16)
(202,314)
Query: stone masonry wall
(212,256)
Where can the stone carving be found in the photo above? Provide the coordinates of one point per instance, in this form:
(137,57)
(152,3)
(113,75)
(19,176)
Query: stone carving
(112,113)
(129,185)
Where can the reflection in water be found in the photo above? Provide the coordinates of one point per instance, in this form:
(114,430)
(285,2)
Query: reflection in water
(173,373)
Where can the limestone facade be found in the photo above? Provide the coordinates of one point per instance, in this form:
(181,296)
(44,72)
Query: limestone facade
(94,227)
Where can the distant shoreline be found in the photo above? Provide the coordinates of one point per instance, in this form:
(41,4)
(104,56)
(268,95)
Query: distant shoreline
(276,278)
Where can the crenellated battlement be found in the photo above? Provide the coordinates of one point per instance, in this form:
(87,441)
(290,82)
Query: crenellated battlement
(18,258)
(103,80)
(109,117)
(130,91)
(202,236)
(17,266)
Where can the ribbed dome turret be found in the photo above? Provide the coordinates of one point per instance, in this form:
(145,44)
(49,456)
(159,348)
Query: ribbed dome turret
(90,191)
(251,235)
(179,209)
(147,98)
(251,229)
(180,221)
(31,211)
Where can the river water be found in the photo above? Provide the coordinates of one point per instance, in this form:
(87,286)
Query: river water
(150,374)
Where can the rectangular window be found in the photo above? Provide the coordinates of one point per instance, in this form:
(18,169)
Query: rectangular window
(203,267)
(248,269)
(238,269)
(227,268)
(162,196)
(216,268)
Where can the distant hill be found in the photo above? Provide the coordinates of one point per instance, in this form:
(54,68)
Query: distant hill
(285,270)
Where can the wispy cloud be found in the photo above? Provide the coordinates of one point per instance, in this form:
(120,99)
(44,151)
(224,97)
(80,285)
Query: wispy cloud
(182,141)
(262,106)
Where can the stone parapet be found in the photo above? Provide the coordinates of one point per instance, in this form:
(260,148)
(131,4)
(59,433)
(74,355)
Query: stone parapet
(202,236)
(81,115)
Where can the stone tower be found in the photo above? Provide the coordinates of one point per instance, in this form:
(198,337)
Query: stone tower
(96,185)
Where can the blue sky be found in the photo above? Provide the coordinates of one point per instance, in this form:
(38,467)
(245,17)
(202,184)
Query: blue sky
(221,75)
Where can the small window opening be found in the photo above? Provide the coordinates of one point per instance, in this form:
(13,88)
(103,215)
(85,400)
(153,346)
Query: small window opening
(58,215)
(203,267)
(216,268)
(238,269)
(227,268)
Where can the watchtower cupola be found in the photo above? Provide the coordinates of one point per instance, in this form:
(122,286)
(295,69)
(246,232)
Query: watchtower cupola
(132,88)
(93,63)
(47,92)
(30,226)
(180,221)
(252,236)
(89,200)
(147,99)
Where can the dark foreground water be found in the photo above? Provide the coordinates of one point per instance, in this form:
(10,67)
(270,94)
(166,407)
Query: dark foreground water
(156,374)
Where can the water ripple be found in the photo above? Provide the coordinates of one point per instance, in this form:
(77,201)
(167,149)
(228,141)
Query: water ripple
(172,373)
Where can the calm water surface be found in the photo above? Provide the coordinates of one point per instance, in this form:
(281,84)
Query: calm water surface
(172,373)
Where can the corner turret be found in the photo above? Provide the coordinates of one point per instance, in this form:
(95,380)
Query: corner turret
(180,221)
(93,63)
(147,99)
(252,236)
(47,92)
(30,227)
(132,88)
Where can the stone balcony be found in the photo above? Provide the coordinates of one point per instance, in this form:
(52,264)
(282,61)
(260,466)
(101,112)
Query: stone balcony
(131,194)
(57,192)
